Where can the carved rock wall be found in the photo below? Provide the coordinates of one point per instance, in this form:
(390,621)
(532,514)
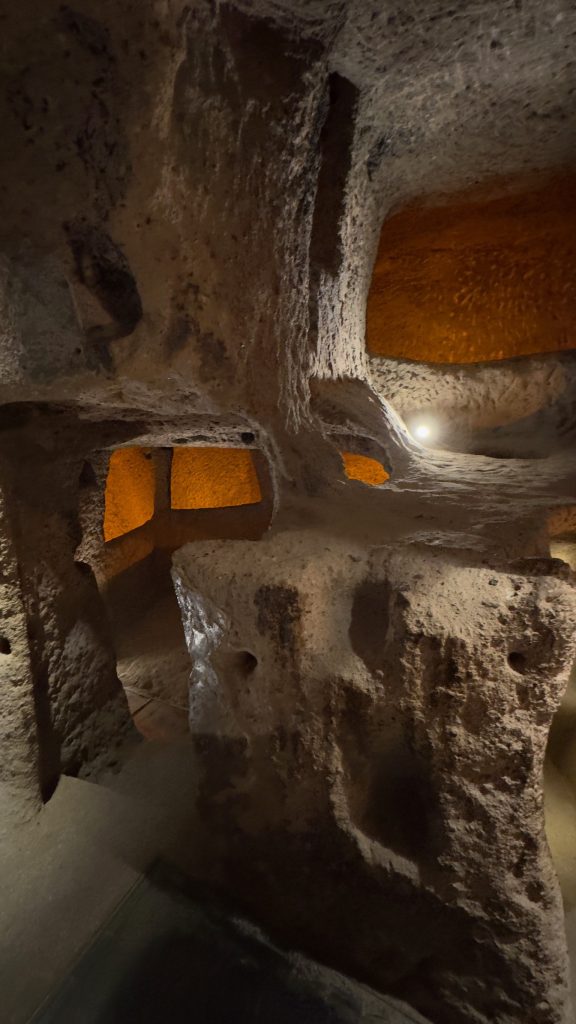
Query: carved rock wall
(370,726)
(191,196)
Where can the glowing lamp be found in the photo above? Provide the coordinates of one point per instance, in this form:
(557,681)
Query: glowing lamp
(423,429)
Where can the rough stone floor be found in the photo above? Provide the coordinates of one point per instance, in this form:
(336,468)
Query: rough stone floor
(168,956)
(154,667)
(89,936)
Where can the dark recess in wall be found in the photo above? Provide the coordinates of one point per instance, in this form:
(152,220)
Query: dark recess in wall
(335,148)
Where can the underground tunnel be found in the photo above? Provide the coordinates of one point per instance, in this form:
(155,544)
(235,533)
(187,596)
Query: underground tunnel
(288,512)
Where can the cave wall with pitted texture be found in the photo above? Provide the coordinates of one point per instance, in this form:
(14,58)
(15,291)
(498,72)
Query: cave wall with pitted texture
(192,197)
(476,278)
(383,716)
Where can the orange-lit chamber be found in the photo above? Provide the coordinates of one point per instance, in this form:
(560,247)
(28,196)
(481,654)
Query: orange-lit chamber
(200,478)
(479,277)
(365,469)
(130,491)
(213,478)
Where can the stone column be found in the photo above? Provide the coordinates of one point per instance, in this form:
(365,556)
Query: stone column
(162,469)
(81,712)
(370,727)
(20,751)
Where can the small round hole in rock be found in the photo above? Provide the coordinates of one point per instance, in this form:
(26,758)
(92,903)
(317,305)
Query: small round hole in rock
(5,645)
(518,661)
(245,662)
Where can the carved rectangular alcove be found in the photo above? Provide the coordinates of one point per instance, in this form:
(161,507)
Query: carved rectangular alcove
(155,499)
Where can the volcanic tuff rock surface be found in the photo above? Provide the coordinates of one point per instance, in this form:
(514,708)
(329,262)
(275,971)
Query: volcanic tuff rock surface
(371,726)
(191,198)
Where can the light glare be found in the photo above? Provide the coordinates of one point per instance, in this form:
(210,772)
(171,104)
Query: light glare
(423,429)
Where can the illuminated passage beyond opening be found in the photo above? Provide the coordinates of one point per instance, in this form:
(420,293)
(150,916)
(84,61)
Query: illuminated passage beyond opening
(213,478)
(365,469)
(130,491)
(479,276)
(200,478)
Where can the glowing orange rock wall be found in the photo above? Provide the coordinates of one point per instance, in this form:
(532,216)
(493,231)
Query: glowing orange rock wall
(364,469)
(213,478)
(130,491)
(477,278)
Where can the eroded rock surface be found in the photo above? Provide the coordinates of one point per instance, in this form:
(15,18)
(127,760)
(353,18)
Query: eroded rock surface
(191,197)
(370,726)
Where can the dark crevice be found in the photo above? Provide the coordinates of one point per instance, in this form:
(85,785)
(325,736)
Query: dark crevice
(336,139)
(49,765)
(87,476)
(103,269)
